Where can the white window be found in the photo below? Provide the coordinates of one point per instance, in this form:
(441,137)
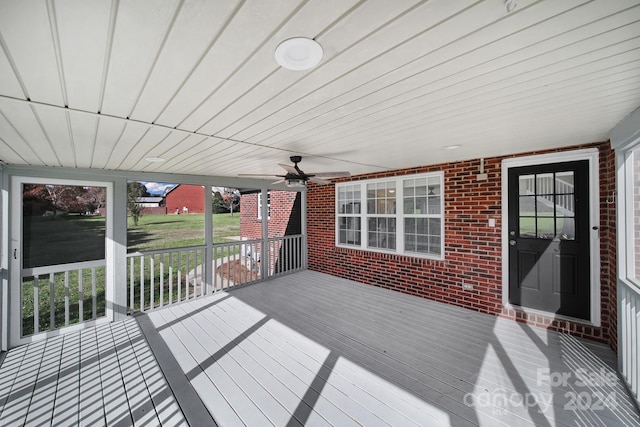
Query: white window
(630,215)
(401,215)
(268,205)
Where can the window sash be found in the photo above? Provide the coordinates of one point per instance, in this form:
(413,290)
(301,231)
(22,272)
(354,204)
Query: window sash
(383,223)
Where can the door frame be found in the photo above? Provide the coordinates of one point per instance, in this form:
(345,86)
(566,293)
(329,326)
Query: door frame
(590,154)
(15,265)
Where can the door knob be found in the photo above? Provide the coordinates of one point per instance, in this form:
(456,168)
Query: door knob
(512,242)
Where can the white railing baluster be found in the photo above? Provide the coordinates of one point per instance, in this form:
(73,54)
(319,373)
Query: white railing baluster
(132,284)
(94,294)
(179,276)
(170,277)
(36,304)
(142,283)
(80,296)
(152,279)
(66,299)
(52,301)
(162,279)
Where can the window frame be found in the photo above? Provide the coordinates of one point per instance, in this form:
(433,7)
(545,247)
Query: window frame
(626,215)
(399,215)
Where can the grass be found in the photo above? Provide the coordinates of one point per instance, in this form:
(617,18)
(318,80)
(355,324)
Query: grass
(75,238)
(170,231)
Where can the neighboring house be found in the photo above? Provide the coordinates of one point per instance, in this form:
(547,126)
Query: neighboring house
(153,205)
(185,199)
(284,214)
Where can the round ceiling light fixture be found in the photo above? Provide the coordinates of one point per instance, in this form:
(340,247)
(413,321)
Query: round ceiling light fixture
(298,53)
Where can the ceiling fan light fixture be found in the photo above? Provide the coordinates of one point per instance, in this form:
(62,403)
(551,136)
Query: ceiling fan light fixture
(298,53)
(295,182)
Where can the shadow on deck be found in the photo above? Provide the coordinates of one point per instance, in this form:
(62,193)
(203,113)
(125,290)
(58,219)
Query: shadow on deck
(312,349)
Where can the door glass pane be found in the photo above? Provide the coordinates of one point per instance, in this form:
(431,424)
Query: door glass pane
(566,228)
(544,206)
(526,185)
(527,226)
(565,204)
(527,205)
(544,183)
(546,228)
(62,224)
(564,182)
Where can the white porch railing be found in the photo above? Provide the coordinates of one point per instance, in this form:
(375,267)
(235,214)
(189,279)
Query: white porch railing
(166,276)
(629,336)
(61,295)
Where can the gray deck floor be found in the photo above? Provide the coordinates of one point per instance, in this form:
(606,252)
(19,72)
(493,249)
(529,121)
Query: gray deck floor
(312,349)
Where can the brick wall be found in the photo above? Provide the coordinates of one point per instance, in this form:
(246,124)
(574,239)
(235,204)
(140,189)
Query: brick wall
(473,249)
(281,206)
(189,196)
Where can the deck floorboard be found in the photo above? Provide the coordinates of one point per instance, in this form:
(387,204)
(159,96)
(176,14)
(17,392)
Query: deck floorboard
(315,350)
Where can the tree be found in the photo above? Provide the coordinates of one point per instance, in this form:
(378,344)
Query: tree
(41,198)
(229,199)
(135,190)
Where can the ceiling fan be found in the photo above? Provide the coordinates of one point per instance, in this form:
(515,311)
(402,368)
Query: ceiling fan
(295,177)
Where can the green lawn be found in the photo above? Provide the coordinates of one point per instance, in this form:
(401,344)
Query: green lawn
(170,231)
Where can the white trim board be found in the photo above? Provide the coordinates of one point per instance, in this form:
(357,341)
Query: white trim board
(590,154)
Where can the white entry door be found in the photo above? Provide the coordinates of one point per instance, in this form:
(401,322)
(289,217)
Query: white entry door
(61,233)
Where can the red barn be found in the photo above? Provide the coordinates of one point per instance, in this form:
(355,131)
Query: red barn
(185,199)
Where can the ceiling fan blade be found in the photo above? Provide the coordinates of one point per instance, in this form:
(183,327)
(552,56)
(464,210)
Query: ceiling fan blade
(319,181)
(256,174)
(278,181)
(331,174)
(290,169)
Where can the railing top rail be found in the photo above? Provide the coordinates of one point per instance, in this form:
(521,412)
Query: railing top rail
(61,268)
(165,250)
(291,237)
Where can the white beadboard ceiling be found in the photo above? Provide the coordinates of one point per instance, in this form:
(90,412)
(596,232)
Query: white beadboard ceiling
(105,84)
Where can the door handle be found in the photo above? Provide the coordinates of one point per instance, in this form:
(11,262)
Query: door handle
(512,242)
(15,254)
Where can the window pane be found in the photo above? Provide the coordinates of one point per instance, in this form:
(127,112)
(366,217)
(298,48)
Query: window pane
(349,230)
(565,205)
(527,226)
(382,233)
(544,183)
(527,205)
(544,207)
(566,228)
(434,205)
(526,185)
(564,182)
(409,206)
(546,228)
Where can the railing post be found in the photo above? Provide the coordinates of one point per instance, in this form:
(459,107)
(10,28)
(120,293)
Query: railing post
(265,256)
(207,256)
(303,228)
